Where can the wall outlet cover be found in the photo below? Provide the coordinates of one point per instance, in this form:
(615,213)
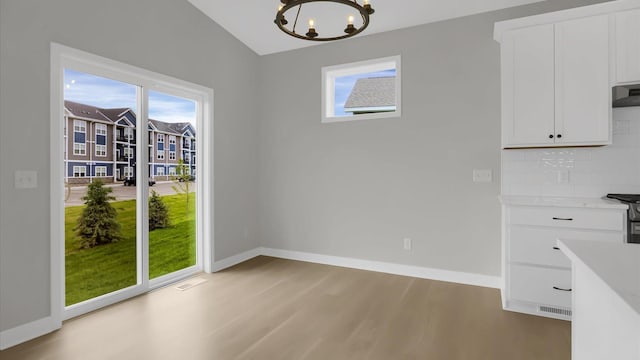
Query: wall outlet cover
(25,179)
(482,175)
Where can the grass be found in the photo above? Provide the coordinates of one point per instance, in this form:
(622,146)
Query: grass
(107,268)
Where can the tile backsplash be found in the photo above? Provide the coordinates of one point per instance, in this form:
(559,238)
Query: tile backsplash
(579,172)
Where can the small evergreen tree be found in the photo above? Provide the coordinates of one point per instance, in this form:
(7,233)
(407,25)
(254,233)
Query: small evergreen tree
(158,212)
(97,224)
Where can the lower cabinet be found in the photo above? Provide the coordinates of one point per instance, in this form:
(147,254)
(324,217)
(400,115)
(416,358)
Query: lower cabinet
(537,274)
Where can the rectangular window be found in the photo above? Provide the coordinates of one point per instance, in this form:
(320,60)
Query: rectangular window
(187,143)
(187,157)
(128,133)
(101,171)
(79,149)
(160,154)
(172,171)
(128,153)
(160,138)
(79,171)
(128,171)
(172,155)
(101,150)
(80,126)
(160,171)
(172,140)
(101,129)
(362,90)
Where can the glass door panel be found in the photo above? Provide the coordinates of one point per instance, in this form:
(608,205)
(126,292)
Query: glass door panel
(172,176)
(101,223)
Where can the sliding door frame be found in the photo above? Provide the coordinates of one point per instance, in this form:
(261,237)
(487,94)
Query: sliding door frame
(65,57)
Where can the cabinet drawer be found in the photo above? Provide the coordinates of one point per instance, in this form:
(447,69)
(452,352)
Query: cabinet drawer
(536,285)
(599,219)
(536,245)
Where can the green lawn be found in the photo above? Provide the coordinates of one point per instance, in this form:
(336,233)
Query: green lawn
(106,268)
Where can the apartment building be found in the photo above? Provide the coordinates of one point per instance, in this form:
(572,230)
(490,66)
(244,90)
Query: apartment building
(102,143)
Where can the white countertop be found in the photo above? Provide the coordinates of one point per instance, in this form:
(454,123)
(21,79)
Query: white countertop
(616,264)
(599,203)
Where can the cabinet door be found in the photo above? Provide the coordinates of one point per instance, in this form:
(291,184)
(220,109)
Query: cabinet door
(628,46)
(528,86)
(583,96)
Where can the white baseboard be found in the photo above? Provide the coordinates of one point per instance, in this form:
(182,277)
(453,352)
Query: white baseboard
(235,259)
(26,332)
(390,268)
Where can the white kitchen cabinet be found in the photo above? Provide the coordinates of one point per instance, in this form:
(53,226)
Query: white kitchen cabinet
(627,46)
(537,276)
(555,84)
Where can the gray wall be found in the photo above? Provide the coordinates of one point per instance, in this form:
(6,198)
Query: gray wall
(356,189)
(166,36)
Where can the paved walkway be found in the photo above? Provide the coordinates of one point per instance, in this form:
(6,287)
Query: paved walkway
(121,192)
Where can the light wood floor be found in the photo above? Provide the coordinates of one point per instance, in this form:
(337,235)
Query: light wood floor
(269,308)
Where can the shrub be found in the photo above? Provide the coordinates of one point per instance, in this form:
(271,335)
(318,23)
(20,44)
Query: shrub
(97,224)
(158,212)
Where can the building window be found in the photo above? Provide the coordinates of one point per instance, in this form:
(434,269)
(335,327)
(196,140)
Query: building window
(172,140)
(187,157)
(79,126)
(101,129)
(128,171)
(363,90)
(160,171)
(101,171)
(172,155)
(79,149)
(128,153)
(128,133)
(187,171)
(101,150)
(187,143)
(172,171)
(160,138)
(79,171)
(160,154)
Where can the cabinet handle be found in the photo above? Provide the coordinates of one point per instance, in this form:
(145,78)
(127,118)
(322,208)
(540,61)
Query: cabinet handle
(556,248)
(561,289)
(550,136)
(563,219)
(559,136)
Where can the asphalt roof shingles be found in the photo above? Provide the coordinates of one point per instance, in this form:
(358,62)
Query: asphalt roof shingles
(372,92)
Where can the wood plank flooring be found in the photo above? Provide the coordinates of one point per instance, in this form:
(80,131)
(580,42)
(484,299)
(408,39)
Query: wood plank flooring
(268,308)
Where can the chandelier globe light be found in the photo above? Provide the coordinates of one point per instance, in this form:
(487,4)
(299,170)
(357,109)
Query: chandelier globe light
(364,10)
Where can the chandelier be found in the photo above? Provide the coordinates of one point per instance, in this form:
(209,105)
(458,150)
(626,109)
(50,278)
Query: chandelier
(364,10)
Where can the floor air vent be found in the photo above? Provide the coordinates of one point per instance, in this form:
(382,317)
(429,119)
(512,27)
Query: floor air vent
(186,285)
(553,310)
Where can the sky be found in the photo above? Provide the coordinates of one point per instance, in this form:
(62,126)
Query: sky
(106,93)
(344,85)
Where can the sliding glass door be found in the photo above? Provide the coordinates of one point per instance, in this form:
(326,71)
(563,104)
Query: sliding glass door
(131,179)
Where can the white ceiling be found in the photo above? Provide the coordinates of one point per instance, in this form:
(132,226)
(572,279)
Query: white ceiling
(251,21)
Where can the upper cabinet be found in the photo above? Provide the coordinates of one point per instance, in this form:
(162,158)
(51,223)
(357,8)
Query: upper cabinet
(627,46)
(555,84)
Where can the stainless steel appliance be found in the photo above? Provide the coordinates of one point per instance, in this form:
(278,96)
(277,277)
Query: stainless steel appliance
(633,215)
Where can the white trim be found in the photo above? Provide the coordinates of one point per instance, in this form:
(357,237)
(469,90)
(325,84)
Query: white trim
(328,81)
(19,334)
(236,259)
(389,268)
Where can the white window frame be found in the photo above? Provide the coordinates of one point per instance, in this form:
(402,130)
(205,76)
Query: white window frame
(128,171)
(172,140)
(101,129)
(331,73)
(160,138)
(65,57)
(128,133)
(128,152)
(80,126)
(158,172)
(172,171)
(80,170)
(101,150)
(172,155)
(160,154)
(79,148)
(101,171)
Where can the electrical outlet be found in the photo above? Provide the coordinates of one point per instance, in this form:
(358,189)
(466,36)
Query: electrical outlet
(407,244)
(25,179)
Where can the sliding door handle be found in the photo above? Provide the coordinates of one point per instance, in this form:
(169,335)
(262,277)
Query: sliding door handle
(561,289)
(562,219)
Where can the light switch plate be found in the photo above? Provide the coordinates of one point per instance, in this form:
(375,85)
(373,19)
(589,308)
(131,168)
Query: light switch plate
(482,175)
(24,179)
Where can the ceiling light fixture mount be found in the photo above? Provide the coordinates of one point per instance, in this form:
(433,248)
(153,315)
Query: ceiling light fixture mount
(351,30)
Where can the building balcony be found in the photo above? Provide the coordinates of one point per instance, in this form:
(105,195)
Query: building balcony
(122,138)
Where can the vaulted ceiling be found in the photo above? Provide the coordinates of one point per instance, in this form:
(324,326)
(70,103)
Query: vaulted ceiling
(251,21)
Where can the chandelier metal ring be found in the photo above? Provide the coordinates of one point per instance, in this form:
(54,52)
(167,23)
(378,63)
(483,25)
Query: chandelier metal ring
(364,10)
